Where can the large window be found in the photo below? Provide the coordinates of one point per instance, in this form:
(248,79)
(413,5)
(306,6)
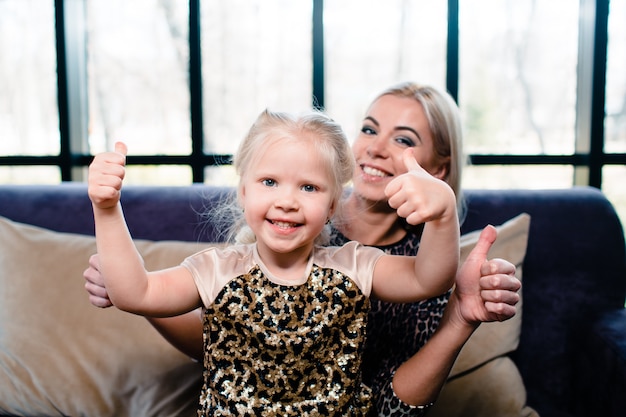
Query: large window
(517,88)
(615,120)
(29,115)
(137,55)
(543,105)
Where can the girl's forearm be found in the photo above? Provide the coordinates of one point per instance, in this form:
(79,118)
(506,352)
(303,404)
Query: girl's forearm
(120,263)
(438,256)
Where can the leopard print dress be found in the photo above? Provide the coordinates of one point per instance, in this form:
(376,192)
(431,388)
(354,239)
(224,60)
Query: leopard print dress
(388,343)
(284,349)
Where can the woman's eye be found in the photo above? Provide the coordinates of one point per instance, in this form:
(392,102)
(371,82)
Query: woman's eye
(309,188)
(368,130)
(268,182)
(405,141)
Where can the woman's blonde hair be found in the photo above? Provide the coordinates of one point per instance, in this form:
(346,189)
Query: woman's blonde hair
(444,122)
(314,127)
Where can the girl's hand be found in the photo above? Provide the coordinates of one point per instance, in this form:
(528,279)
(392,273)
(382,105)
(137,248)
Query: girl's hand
(106,174)
(418,196)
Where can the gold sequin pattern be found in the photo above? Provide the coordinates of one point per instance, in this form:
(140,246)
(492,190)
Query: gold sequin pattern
(286,350)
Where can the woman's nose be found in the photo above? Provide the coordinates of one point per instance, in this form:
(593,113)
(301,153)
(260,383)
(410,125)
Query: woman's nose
(377,147)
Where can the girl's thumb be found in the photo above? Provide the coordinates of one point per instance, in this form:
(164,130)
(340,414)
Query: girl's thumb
(120,147)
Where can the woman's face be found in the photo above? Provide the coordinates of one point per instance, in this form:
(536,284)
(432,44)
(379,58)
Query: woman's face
(391,125)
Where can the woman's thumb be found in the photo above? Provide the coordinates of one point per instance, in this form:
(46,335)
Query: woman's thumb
(485,240)
(409,160)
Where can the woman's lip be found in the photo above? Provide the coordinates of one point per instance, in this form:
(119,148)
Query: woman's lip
(374,172)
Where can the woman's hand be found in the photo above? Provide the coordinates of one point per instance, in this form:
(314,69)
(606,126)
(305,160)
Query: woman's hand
(485,290)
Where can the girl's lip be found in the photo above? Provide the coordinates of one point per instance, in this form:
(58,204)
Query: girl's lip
(283,224)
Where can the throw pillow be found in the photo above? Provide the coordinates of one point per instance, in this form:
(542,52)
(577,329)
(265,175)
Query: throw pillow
(484,381)
(59,355)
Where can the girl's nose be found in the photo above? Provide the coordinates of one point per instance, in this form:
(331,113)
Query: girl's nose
(286,200)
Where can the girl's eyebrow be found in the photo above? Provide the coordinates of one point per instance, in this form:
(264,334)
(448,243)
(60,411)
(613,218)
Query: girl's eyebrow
(410,129)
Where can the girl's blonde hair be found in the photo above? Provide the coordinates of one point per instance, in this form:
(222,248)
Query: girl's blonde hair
(444,122)
(270,127)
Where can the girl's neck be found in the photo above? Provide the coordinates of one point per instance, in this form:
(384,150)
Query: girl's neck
(290,266)
(370,223)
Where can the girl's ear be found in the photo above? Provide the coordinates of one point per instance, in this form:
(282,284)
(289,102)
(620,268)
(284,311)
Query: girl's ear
(241,194)
(331,209)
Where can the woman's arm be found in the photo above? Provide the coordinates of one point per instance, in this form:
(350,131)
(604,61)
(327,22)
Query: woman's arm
(485,291)
(184,332)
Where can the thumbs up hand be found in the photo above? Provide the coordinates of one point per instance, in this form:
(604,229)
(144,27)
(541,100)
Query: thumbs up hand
(486,290)
(106,173)
(418,196)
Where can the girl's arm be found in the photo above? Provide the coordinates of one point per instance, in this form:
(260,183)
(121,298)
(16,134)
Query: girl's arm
(170,291)
(485,291)
(421,198)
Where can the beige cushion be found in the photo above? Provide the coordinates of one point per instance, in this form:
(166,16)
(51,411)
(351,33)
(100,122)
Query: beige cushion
(494,389)
(59,355)
(484,381)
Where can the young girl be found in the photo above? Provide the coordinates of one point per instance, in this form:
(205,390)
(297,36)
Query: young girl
(284,318)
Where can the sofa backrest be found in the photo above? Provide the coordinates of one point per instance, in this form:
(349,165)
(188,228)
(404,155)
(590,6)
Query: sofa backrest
(575,265)
(575,268)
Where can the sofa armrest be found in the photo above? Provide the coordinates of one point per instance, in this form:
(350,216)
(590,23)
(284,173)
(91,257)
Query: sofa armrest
(601,377)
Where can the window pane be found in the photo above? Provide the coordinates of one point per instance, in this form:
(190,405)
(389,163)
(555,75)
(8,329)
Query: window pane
(615,122)
(517,76)
(256,54)
(371,44)
(224,175)
(29,175)
(138,59)
(520,176)
(29,117)
(613,187)
(158,175)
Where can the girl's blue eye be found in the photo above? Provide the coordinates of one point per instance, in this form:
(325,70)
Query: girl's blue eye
(309,188)
(268,182)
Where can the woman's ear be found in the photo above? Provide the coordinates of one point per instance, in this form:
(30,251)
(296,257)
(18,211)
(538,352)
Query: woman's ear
(442,169)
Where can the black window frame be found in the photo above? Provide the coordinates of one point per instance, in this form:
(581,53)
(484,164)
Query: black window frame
(588,160)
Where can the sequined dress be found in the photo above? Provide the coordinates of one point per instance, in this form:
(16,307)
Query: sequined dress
(277,348)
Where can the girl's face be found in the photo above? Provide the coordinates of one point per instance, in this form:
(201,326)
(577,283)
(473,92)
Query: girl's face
(287,197)
(391,125)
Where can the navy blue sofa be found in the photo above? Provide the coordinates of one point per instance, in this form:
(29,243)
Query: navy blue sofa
(572,351)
